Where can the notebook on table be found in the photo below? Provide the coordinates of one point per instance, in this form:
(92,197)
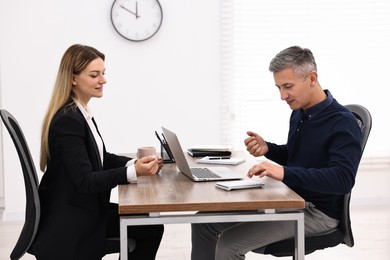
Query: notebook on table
(209,150)
(202,153)
(196,173)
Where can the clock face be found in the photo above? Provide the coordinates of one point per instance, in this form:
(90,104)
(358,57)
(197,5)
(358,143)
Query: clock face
(136,20)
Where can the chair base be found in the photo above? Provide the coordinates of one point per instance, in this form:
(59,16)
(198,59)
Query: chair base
(313,243)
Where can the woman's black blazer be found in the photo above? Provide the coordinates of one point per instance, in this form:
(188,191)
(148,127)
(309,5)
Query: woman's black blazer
(75,191)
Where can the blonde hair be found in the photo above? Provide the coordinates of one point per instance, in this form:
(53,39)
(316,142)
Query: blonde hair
(75,59)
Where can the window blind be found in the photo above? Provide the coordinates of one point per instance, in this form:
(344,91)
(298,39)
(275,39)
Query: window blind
(254,31)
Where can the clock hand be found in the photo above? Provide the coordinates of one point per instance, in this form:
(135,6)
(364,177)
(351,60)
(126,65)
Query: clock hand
(123,7)
(136,10)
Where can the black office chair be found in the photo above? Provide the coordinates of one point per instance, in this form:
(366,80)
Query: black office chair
(33,206)
(343,233)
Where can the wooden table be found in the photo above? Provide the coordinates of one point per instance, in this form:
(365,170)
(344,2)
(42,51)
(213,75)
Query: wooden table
(163,196)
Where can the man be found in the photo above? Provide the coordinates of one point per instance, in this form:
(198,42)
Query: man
(319,162)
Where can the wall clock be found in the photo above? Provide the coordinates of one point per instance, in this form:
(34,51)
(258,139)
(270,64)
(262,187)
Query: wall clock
(136,20)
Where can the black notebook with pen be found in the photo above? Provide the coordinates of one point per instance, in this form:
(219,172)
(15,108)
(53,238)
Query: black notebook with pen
(210,150)
(166,153)
(202,153)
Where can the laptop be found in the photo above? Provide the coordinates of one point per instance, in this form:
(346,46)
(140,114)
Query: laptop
(196,173)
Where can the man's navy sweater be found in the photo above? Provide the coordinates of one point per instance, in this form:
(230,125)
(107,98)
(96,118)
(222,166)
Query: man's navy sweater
(322,154)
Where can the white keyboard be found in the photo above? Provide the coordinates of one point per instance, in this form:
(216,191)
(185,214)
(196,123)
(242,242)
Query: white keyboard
(241,184)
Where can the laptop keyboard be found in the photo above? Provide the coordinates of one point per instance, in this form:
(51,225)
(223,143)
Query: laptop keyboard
(204,173)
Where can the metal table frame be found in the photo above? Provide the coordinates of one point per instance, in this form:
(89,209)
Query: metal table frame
(209,217)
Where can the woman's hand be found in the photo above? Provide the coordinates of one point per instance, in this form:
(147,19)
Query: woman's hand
(148,165)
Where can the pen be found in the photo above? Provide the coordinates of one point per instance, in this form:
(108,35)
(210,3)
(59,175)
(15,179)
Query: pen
(158,137)
(219,158)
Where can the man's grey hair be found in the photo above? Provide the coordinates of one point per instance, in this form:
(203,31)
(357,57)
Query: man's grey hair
(301,60)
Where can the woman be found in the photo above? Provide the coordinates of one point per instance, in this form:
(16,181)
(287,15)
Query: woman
(79,173)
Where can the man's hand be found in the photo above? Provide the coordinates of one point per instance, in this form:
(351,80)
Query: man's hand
(268,169)
(255,144)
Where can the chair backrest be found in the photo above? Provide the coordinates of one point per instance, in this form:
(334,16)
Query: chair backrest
(365,122)
(33,208)
(364,119)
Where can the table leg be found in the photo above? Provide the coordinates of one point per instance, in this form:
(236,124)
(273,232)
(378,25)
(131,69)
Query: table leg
(300,239)
(123,239)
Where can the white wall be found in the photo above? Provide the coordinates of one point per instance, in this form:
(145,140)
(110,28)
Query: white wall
(1,160)
(174,73)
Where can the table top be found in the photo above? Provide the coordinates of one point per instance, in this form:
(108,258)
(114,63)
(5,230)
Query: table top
(172,191)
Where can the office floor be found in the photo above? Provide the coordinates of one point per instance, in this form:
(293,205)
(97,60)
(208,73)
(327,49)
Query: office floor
(371,226)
